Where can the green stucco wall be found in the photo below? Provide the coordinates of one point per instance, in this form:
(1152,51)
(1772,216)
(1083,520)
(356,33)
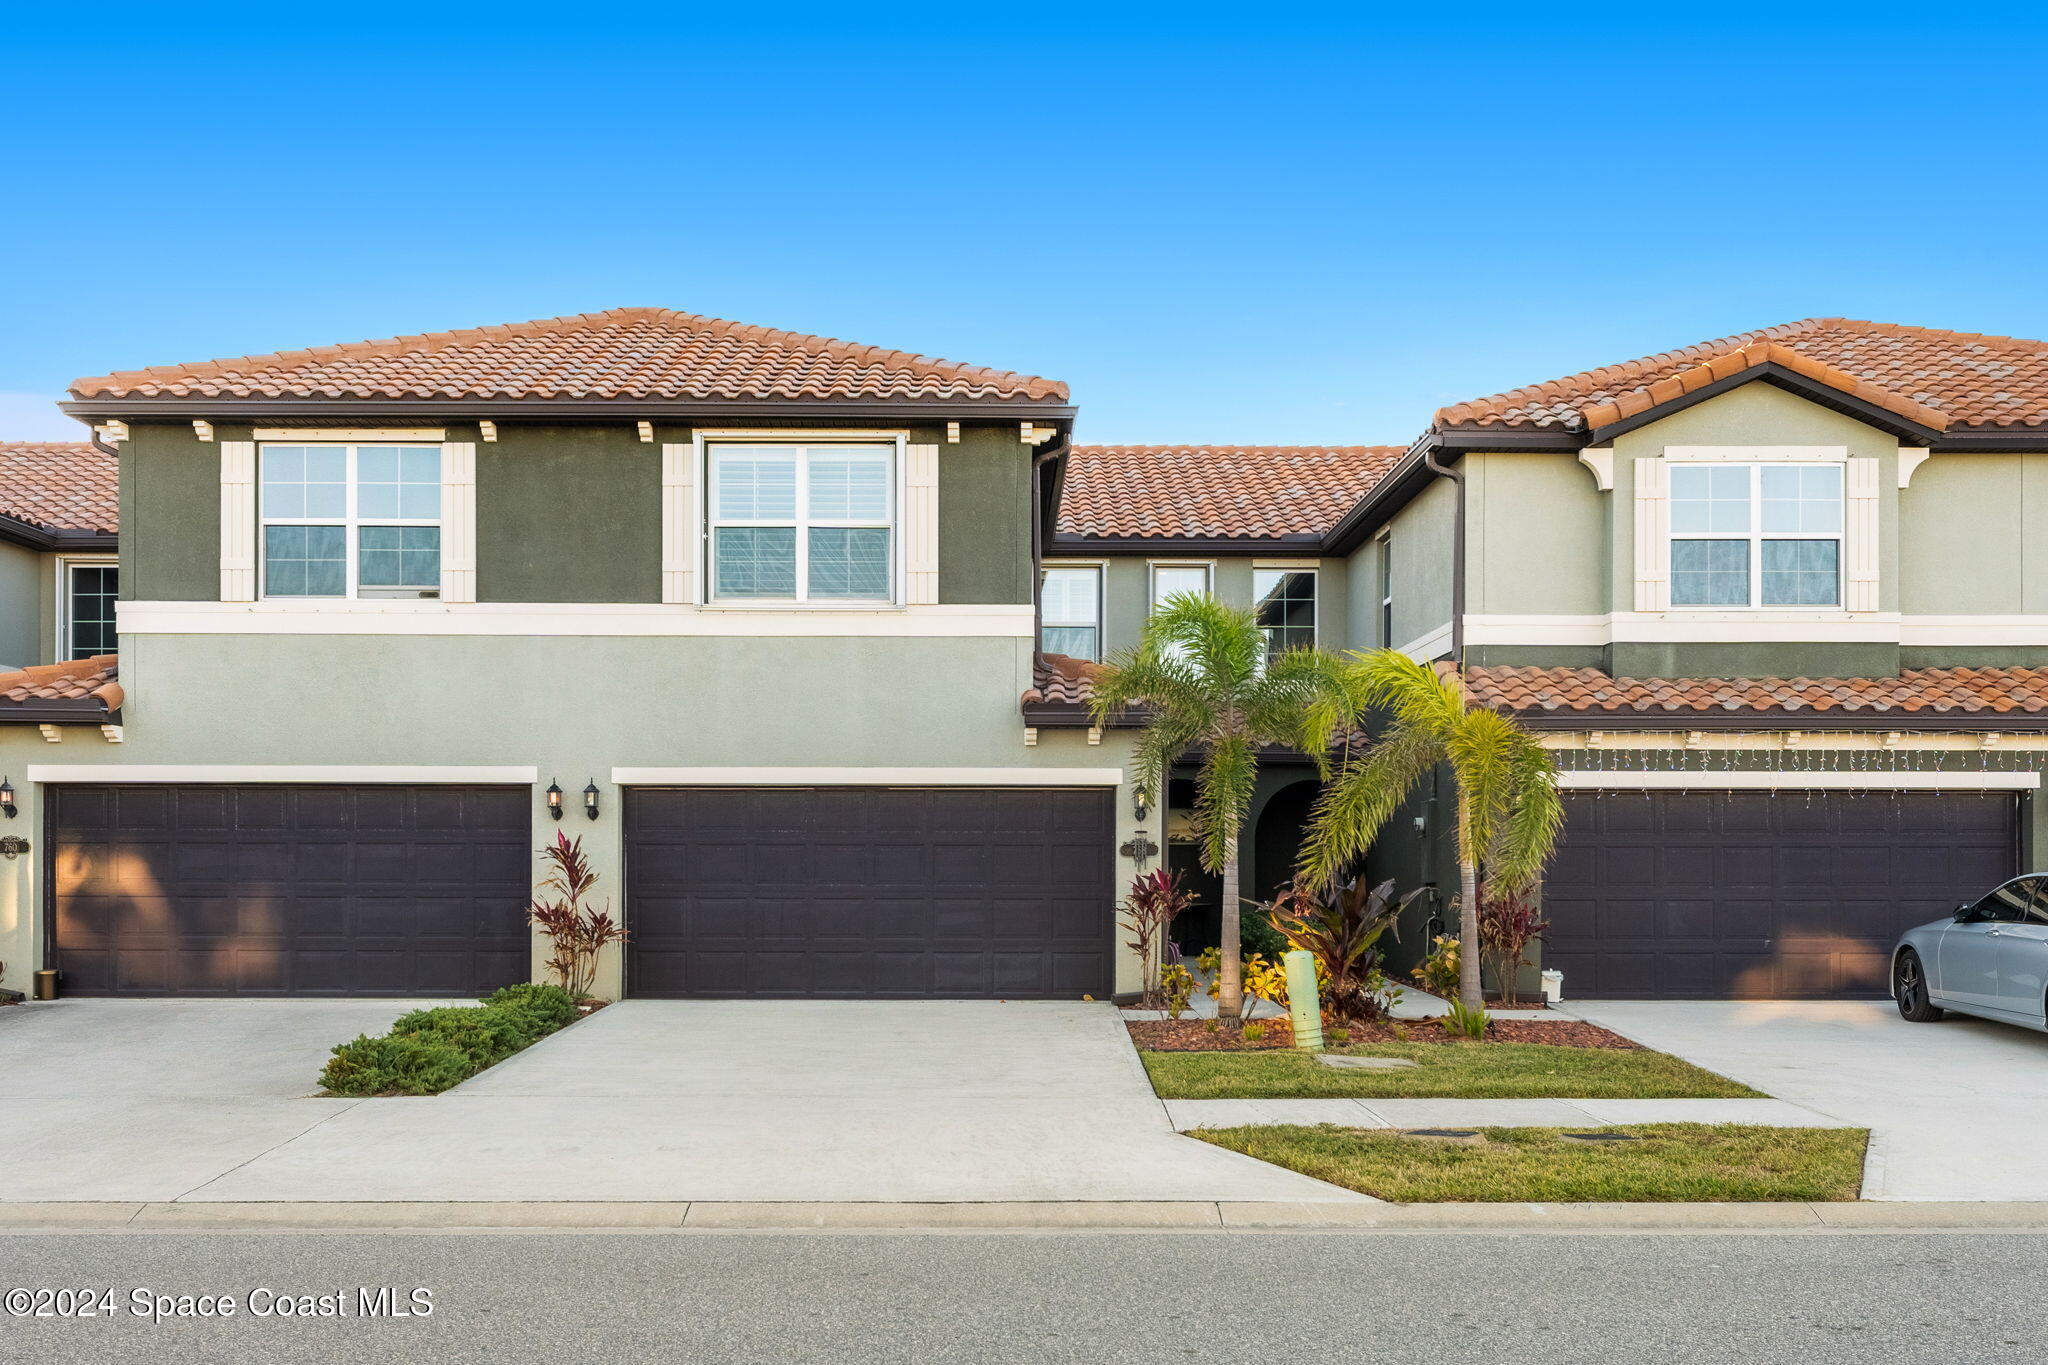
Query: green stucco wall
(26,634)
(1538,536)
(984,515)
(170,512)
(1423,533)
(568,514)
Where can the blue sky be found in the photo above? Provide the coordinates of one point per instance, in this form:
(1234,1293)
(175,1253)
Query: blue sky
(1255,224)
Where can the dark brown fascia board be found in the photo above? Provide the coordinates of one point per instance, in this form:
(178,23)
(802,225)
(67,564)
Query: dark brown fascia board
(28,535)
(1962,440)
(1870,414)
(556,410)
(1155,546)
(1408,477)
(58,713)
(1875,721)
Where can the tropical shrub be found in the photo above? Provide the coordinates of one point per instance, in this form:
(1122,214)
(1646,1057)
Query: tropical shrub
(578,933)
(1342,928)
(1176,989)
(1438,972)
(1155,900)
(1509,922)
(1465,1022)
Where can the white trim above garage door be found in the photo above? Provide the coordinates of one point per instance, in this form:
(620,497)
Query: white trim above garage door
(867,777)
(1752,780)
(277,772)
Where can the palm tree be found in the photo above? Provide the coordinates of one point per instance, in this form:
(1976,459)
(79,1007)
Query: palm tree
(1202,679)
(1509,814)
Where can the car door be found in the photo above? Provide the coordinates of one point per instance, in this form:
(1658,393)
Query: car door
(1972,947)
(2023,960)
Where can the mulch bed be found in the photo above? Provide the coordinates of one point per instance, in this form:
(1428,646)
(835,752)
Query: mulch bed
(1194,1035)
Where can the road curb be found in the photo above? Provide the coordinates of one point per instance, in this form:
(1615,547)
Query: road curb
(1166,1216)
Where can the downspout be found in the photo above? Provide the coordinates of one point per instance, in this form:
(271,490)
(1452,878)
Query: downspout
(1038,520)
(1456,476)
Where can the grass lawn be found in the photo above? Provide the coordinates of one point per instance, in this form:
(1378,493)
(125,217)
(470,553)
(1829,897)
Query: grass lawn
(1491,1071)
(1675,1162)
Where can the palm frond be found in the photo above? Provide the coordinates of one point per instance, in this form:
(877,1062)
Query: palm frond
(1535,818)
(1389,680)
(1301,700)
(1362,797)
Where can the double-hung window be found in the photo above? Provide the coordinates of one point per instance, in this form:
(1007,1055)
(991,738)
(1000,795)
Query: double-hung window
(351,520)
(1172,580)
(1386,590)
(1070,611)
(1756,535)
(1285,600)
(88,588)
(803,523)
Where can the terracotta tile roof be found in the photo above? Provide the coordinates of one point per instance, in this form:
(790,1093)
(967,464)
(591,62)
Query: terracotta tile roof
(60,485)
(627,353)
(1930,691)
(1939,379)
(91,683)
(1216,490)
(1060,680)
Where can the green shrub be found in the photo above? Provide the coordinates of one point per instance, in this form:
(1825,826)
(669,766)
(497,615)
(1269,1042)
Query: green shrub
(429,1050)
(411,1064)
(551,1003)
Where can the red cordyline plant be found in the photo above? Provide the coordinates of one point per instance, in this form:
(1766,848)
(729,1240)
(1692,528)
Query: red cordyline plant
(1155,899)
(1509,921)
(577,933)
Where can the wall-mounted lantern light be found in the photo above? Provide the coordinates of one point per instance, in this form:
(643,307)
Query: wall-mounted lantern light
(7,798)
(590,799)
(1141,803)
(555,799)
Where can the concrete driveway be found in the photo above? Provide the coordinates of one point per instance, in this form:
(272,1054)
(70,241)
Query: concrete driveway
(647,1100)
(1956,1109)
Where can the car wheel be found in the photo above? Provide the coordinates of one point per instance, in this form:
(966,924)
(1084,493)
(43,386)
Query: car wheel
(1909,988)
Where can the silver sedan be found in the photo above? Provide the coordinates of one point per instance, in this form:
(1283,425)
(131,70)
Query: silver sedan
(1989,959)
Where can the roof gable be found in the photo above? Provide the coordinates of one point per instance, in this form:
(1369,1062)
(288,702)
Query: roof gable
(626,353)
(1936,380)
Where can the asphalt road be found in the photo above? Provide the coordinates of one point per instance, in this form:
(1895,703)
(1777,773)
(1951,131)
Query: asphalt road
(1054,1297)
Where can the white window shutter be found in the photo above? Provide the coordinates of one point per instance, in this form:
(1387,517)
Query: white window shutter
(458,521)
(921,525)
(237,521)
(1653,534)
(680,523)
(1860,538)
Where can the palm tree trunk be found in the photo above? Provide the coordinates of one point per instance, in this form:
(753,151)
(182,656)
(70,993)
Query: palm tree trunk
(1468,912)
(1230,994)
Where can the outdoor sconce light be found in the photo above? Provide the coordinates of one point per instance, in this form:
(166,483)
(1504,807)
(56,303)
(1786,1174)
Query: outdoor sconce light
(590,799)
(555,799)
(1141,804)
(7,798)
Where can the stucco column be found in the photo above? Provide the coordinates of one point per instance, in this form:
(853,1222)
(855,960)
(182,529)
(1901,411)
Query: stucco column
(603,844)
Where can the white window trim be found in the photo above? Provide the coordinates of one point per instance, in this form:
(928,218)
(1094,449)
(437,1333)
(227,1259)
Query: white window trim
(1314,571)
(1756,535)
(1101,567)
(351,525)
(1383,579)
(707,518)
(1152,568)
(65,563)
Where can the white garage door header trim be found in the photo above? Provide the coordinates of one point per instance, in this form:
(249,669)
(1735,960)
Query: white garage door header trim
(278,772)
(1794,781)
(867,777)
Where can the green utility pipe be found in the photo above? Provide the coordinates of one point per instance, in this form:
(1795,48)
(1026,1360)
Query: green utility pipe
(1303,1002)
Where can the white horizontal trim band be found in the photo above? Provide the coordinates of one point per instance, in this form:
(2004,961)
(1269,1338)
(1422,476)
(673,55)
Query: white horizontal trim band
(430,617)
(867,777)
(277,772)
(1751,780)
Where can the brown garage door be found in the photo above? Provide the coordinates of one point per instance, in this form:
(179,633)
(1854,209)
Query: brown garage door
(868,892)
(289,890)
(1760,894)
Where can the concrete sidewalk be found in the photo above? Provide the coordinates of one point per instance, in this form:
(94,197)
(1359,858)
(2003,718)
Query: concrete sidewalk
(1378,1113)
